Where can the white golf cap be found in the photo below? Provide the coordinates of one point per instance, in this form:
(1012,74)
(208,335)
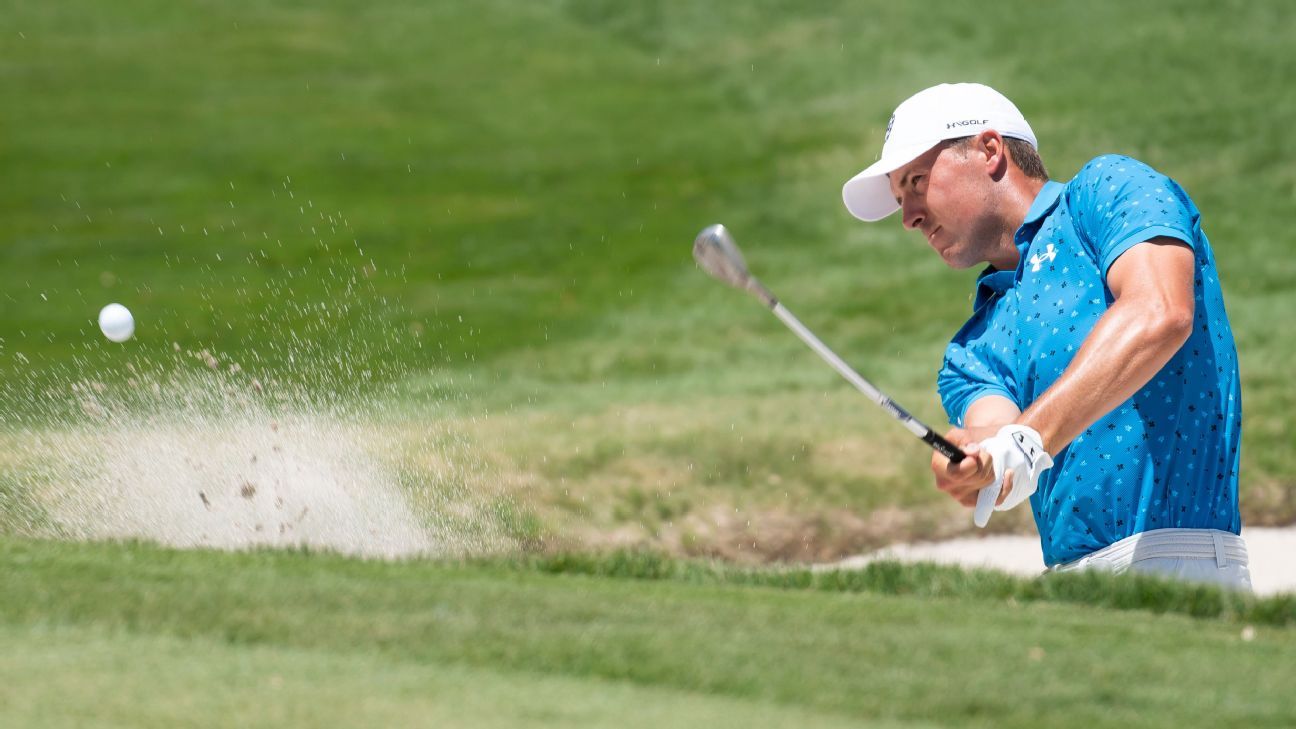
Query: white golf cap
(947,111)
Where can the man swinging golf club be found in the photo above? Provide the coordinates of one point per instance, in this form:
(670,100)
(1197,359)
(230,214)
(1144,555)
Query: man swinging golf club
(1097,376)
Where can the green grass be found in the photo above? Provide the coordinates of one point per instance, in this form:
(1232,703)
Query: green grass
(1134,592)
(456,235)
(137,635)
(131,680)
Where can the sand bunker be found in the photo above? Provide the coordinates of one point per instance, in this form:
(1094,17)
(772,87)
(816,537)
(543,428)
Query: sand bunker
(1269,550)
(211,457)
(232,484)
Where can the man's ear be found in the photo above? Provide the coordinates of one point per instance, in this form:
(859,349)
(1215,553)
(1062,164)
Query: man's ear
(991,144)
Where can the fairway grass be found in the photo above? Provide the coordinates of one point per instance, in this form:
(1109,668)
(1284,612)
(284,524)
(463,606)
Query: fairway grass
(145,635)
(77,677)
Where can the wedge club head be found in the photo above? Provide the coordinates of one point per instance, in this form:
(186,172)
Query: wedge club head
(716,253)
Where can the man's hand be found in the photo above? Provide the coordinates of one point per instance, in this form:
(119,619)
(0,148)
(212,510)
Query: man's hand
(1019,458)
(965,479)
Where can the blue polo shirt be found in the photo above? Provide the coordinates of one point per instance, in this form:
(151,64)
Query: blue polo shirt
(1168,456)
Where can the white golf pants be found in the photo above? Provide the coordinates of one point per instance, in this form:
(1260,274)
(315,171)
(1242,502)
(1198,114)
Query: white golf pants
(1192,555)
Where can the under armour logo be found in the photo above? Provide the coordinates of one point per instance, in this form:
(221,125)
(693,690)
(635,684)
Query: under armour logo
(1038,259)
(1027,448)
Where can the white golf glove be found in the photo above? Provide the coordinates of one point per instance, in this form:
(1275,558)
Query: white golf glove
(1015,449)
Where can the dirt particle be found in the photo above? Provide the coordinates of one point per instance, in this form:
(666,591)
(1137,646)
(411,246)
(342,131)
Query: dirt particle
(248,489)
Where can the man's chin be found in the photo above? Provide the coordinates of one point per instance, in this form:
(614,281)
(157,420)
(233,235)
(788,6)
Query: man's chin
(952,259)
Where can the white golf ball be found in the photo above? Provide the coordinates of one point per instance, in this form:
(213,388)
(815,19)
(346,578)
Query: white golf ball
(116,322)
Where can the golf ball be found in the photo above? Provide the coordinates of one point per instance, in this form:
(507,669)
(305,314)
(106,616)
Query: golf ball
(116,322)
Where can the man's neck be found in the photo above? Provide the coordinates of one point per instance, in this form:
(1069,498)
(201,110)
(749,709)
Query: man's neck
(1018,196)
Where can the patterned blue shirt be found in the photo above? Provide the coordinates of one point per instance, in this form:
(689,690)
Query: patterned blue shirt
(1168,456)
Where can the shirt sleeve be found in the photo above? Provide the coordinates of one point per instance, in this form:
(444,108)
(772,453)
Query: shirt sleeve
(1119,202)
(970,372)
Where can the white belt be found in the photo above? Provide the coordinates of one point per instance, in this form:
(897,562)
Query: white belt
(1224,547)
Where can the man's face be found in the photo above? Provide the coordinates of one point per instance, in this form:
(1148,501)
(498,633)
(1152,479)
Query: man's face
(945,194)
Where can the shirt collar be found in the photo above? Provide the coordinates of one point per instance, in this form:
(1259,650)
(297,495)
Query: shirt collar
(1044,203)
(990,283)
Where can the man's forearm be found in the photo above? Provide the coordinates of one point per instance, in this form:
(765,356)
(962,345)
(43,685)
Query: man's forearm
(1128,346)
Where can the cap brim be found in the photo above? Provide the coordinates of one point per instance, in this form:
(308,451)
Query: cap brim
(868,194)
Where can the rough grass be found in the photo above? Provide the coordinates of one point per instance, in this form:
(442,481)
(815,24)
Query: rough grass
(1128,592)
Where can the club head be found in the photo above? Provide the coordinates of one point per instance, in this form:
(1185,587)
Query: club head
(716,253)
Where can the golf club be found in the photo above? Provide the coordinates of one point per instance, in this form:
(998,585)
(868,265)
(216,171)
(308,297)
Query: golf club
(716,253)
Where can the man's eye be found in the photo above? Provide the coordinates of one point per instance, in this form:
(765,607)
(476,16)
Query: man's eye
(915,179)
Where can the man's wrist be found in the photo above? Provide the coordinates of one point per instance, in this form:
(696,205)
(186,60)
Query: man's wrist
(1017,450)
(1047,431)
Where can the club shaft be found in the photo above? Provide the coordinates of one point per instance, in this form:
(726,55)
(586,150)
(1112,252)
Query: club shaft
(912,424)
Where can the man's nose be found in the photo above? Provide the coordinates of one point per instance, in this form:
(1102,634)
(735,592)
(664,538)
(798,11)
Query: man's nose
(913,213)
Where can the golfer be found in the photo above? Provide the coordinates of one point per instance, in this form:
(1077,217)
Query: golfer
(1097,375)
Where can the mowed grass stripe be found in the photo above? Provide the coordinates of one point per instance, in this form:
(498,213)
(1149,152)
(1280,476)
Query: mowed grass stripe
(75,676)
(860,655)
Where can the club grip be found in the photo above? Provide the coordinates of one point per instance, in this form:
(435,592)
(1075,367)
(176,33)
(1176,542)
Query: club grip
(944,447)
